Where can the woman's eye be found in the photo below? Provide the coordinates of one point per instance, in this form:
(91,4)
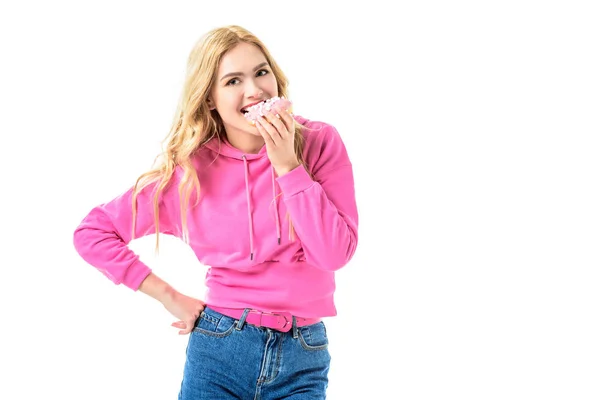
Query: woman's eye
(262,72)
(235,81)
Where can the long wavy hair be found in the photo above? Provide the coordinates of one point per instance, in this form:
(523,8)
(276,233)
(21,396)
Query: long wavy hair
(195,124)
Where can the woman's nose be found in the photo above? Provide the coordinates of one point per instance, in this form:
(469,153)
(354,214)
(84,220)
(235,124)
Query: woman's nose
(253,91)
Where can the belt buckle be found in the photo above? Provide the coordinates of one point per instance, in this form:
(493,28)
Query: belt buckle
(287,320)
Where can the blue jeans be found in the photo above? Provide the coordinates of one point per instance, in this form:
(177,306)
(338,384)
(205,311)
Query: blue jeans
(230,359)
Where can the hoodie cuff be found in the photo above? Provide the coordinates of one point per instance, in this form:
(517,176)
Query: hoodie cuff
(295,181)
(136,273)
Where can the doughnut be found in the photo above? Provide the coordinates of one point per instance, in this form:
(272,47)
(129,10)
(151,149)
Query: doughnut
(259,110)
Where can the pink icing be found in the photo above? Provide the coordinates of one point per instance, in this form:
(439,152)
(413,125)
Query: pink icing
(258,110)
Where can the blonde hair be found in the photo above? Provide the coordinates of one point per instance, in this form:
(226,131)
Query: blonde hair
(195,124)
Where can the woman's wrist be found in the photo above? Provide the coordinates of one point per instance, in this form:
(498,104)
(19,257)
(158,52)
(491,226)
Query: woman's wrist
(285,169)
(156,288)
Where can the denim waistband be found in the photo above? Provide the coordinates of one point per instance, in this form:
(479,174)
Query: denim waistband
(281,321)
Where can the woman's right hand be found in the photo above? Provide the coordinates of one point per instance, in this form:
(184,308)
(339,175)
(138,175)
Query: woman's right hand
(186,309)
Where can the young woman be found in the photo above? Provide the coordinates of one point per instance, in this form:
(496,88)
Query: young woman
(269,208)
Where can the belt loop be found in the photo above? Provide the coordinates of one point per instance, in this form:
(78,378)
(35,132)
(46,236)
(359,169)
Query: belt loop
(242,320)
(294,328)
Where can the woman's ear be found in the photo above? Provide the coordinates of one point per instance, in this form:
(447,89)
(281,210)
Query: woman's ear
(211,104)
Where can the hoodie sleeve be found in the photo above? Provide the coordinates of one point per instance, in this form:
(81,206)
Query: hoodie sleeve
(323,210)
(101,238)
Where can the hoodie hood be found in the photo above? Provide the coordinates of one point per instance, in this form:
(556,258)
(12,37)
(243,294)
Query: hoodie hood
(225,149)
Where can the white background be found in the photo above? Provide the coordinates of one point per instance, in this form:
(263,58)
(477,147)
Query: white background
(473,130)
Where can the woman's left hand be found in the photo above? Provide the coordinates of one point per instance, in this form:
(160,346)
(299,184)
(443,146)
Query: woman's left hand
(277,129)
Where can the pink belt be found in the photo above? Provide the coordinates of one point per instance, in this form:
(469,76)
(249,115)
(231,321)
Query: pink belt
(279,321)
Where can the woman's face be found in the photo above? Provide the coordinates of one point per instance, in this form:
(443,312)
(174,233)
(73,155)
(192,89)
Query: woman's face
(244,78)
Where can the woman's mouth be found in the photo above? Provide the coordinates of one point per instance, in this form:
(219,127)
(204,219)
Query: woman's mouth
(246,107)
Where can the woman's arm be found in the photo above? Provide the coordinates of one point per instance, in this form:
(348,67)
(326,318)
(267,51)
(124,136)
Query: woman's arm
(323,211)
(101,238)
(156,288)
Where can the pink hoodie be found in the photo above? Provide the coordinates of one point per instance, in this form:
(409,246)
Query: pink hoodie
(240,228)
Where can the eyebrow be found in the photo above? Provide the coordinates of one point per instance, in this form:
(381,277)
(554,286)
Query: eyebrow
(259,66)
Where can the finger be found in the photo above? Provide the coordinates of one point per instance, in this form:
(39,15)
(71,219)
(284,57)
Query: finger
(279,125)
(179,324)
(183,327)
(270,128)
(188,328)
(263,132)
(287,117)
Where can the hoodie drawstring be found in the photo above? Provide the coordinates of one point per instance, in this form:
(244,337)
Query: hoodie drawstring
(249,203)
(250,222)
(275,206)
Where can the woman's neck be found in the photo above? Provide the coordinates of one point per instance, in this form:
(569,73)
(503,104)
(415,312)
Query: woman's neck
(246,142)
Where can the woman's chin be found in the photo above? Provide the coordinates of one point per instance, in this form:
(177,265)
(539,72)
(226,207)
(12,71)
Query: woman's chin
(248,128)
(253,131)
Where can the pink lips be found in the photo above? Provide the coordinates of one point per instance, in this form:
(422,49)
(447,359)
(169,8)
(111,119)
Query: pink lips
(250,105)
